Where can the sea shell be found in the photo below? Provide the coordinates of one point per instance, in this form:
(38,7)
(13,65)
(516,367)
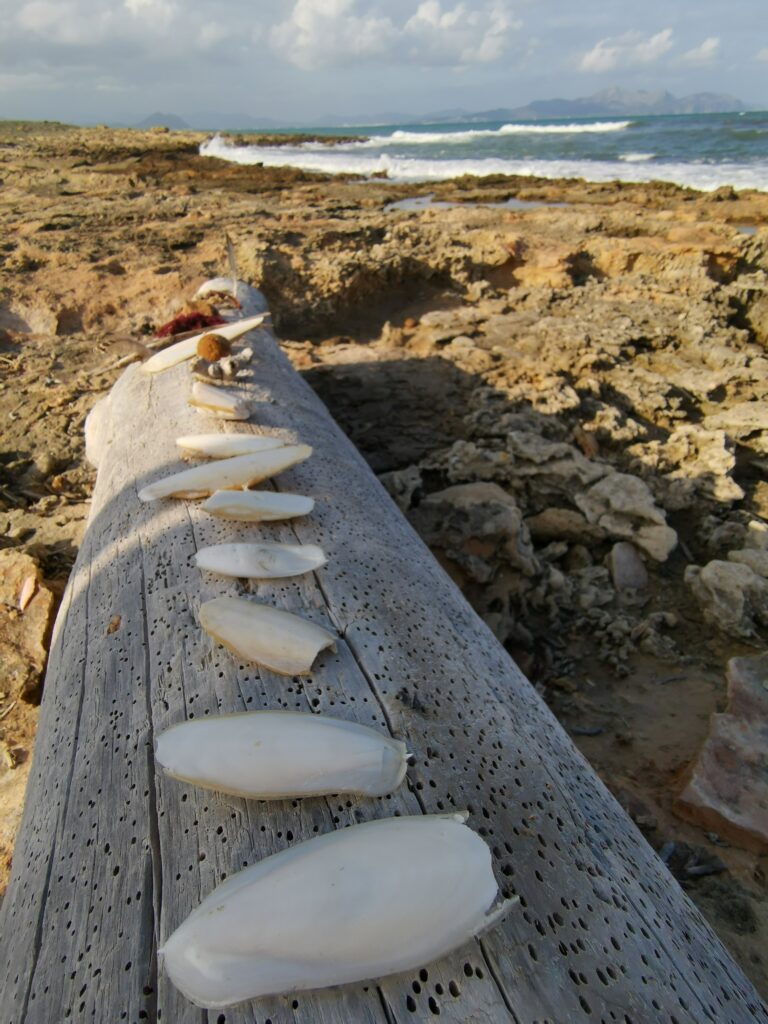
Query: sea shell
(224,446)
(240,471)
(271,755)
(215,401)
(360,903)
(257,506)
(260,561)
(278,640)
(186,349)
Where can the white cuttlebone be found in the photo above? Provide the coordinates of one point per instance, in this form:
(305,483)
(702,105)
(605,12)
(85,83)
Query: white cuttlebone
(260,561)
(240,471)
(227,405)
(278,640)
(224,446)
(357,904)
(257,506)
(272,755)
(186,349)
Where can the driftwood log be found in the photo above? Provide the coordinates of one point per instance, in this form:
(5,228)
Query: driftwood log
(112,855)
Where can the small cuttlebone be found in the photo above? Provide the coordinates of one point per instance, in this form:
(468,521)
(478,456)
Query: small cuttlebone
(224,446)
(278,640)
(186,349)
(240,471)
(356,904)
(260,561)
(272,755)
(257,506)
(227,405)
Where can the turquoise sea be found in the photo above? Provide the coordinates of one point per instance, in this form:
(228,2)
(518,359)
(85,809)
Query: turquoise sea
(704,151)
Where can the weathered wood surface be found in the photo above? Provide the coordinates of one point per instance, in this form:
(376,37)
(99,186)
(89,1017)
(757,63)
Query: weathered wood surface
(112,855)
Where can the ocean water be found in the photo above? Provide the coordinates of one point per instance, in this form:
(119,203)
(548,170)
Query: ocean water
(703,151)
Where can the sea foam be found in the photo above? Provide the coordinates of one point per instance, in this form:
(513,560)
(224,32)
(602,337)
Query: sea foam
(350,160)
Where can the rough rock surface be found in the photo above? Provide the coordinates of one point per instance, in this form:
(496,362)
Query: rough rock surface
(732,596)
(728,786)
(26,605)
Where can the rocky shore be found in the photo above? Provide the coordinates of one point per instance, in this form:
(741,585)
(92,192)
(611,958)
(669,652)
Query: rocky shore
(566,394)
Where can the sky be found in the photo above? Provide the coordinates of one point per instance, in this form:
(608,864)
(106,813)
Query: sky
(88,61)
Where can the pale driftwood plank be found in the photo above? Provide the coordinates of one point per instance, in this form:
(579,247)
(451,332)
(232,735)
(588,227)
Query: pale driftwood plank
(602,933)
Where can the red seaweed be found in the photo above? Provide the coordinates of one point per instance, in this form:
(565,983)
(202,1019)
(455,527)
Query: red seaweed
(188,322)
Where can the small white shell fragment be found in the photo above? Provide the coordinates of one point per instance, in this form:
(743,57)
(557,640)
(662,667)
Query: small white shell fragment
(278,640)
(224,446)
(257,506)
(186,349)
(260,561)
(271,755)
(240,471)
(215,401)
(357,904)
(28,588)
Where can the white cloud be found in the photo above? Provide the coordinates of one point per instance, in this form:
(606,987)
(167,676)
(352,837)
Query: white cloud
(327,33)
(157,14)
(762,54)
(627,50)
(704,54)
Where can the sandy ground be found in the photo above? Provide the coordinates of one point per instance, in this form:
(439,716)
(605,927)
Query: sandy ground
(605,325)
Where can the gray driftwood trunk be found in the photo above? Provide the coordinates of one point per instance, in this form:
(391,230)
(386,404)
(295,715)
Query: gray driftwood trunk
(112,855)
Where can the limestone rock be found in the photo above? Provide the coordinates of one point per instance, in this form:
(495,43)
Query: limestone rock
(402,485)
(25,617)
(478,526)
(727,790)
(627,568)
(730,595)
(756,560)
(563,524)
(624,507)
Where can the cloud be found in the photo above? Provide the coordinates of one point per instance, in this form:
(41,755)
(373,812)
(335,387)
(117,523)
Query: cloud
(627,50)
(762,54)
(338,33)
(703,54)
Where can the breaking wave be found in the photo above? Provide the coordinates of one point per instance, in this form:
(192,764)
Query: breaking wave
(408,138)
(338,160)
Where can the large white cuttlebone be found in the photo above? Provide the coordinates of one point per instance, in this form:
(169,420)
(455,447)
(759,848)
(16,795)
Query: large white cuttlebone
(260,561)
(221,474)
(224,446)
(257,506)
(274,755)
(278,640)
(215,401)
(187,348)
(357,904)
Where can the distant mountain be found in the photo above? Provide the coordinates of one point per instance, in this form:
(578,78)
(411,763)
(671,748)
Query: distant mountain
(157,120)
(605,103)
(617,103)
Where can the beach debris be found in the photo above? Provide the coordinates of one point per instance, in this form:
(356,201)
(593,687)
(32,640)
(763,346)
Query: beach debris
(227,405)
(272,755)
(257,506)
(27,592)
(260,561)
(359,903)
(114,624)
(227,367)
(224,446)
(188,321)
(187,349)
(240,471)
(278,640)
(212,347)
